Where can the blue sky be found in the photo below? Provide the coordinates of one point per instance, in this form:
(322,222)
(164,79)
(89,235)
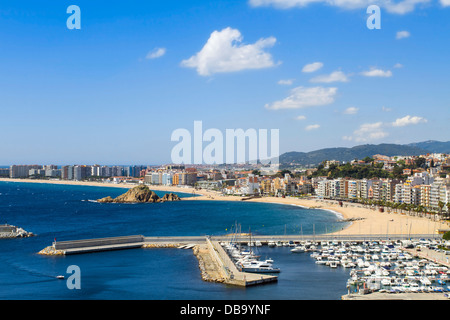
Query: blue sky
(114,91)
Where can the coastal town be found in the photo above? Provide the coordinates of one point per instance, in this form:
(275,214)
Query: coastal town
(364,191)
(418,184)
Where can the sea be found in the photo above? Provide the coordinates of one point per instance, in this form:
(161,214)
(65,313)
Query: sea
(69,212)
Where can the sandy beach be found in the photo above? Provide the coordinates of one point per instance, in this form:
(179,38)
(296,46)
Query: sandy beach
(369,221)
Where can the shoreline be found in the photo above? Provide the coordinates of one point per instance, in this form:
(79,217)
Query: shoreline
(363,220)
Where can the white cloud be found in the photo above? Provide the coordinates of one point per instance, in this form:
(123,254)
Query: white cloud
(300,118)
(402,35)
(398,66)
(156,53)
(351,110)
(336,76)
(368,132)
(408,120)
(312,67)
(312,127)
(224,52)
(302,97)
(286,82)
(386,109)
(376,131)
(374,72)
(399,7)
(445,3)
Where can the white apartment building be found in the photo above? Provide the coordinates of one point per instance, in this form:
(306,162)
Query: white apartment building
(167,178)
(334,188)
(77,173)
(435,194)
(406,196)
(321,188)
(425,196)
(444,195)
(398,193)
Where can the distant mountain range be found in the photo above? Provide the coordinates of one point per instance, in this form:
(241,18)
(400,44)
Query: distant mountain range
(362,151)
(433,146)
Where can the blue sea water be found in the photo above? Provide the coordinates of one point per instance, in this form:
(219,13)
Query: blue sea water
(67,212)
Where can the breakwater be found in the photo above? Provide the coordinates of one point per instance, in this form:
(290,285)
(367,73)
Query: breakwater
(94,245)
(214,263)
(9,231)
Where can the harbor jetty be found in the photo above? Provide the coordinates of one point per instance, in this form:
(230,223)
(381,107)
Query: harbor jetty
(379,267)
(93,245)
(8,232)
(215,264)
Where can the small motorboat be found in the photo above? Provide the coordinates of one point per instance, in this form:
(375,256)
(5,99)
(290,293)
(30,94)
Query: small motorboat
(60,277)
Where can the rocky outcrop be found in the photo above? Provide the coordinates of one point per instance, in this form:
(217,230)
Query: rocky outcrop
(8,232)
(51,251)
(170,197)
(140,194)
(106,200)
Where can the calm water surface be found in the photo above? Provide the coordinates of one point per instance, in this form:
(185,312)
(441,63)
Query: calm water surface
(68,213)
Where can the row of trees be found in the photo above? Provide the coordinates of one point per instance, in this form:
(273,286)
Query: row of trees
(418,210)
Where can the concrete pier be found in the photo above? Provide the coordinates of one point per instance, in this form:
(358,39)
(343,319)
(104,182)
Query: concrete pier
(94,245)
(229,271)
(130,242)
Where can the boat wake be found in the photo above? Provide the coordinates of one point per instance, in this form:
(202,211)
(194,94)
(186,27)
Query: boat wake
(32,272)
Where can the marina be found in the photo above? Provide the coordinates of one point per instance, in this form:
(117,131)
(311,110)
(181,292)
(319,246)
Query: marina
(389,266)
(408,266)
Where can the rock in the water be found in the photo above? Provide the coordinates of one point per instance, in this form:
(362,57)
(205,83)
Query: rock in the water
(140,194)
(106,200)
(8,231)
(170,197)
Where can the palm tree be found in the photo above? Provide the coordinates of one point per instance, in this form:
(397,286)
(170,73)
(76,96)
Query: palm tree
(395,206)
(441,206)
(448,208)
(402,207)
(409,207)
(420,209)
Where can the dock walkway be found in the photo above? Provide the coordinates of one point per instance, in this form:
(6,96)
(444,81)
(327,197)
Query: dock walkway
(130,242)
(230,272)
(98,245)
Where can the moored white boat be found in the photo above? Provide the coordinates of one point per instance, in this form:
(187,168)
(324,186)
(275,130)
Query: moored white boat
(259,267)
(298,249)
